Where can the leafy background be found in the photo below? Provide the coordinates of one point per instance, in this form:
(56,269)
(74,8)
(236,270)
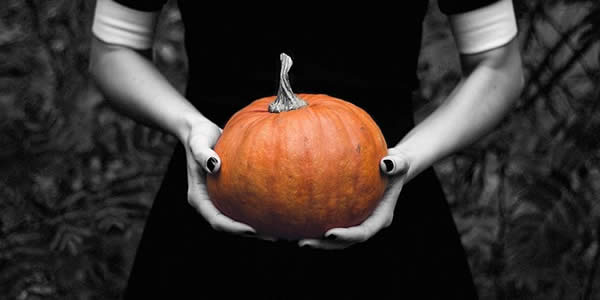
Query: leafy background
(77,179)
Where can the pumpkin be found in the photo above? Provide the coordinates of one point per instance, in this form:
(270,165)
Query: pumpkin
(295,166)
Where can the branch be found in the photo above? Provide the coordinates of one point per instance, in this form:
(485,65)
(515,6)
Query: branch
(587,294)
(557,74)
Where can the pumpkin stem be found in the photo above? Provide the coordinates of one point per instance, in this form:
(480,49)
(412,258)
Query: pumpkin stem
(286,99)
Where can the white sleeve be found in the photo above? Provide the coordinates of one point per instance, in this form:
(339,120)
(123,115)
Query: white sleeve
(485,28)
(117,24)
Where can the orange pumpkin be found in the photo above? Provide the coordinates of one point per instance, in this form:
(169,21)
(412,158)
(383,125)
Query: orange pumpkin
(294,166)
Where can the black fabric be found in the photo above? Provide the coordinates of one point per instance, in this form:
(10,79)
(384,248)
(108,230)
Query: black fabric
(418,257)
(233,60)
(450,7)
(143,5)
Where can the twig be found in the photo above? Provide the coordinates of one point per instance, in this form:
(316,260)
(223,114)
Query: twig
(587,294)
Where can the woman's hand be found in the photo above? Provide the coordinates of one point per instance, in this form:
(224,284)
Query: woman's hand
(203,160)
(395,165)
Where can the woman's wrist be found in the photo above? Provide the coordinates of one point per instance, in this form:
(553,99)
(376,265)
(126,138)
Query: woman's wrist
(187,122)
(416,160)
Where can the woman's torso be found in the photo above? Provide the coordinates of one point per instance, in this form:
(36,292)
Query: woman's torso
(367,56)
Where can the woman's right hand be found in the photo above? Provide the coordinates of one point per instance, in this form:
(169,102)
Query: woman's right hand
(202,160)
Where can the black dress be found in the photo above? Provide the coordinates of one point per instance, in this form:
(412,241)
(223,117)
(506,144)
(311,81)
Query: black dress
(367,56)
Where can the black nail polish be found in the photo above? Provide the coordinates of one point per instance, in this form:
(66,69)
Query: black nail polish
(331,237)
(211,163)
(389,165)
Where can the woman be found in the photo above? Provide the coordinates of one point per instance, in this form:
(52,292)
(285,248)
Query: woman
(410,245)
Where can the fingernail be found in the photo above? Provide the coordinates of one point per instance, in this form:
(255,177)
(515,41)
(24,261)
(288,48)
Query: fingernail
(211,163)
(389,165)
(331,237)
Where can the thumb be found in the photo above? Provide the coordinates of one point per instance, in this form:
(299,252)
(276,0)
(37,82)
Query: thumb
(206,157)
(394,164)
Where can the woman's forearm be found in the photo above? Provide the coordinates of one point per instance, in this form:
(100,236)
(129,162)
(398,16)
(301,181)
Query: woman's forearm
(134,86)
(492,83)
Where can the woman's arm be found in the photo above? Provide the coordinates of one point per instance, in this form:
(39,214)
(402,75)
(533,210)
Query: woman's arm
(491,84)
(492,81)
(136,88)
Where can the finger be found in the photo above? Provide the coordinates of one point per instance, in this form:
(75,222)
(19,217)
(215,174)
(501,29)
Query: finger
(324,244)
(381,217)
(215,218)
(207,158)
(355,234)
(394,164)
(221,222)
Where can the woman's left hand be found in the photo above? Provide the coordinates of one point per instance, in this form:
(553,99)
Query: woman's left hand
(395,165)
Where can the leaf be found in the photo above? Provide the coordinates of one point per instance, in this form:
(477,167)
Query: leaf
(69,238)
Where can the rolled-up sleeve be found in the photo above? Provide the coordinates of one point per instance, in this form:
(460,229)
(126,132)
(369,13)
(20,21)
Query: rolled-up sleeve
(479,26)
(129,26)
